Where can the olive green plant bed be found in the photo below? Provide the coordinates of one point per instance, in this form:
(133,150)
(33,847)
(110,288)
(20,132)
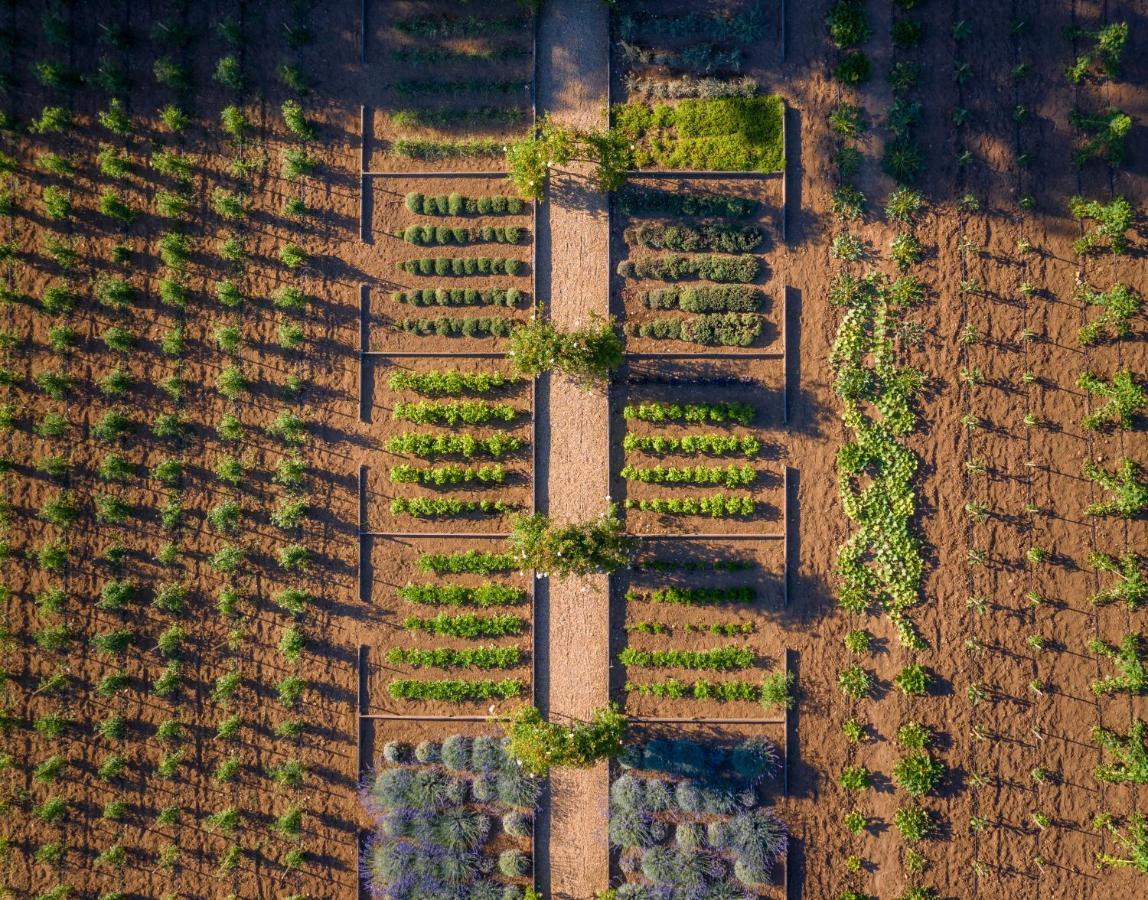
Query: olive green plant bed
(731,134)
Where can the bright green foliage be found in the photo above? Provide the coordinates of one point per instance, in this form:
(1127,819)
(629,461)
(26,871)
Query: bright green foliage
(726,134)
(881,563)
(1129,492)
(539,745)
(1128,659)
(1119,305)
(1125,398)
(1135,844)
(1130,584)
(1112,221)
(1129,763)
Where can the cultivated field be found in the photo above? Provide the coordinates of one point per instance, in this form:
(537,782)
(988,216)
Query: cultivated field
(597,451)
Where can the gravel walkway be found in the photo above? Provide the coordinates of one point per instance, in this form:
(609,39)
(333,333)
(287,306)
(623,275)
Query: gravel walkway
(573,267)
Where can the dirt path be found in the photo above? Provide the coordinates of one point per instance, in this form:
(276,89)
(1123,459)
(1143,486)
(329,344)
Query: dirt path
(573,616)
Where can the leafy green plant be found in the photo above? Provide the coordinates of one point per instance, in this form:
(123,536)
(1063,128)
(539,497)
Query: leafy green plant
(1125,398)
(1112,221)
(1128,659)
(917,773)
(1128,491)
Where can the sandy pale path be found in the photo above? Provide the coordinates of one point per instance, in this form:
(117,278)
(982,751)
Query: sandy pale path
(573,261)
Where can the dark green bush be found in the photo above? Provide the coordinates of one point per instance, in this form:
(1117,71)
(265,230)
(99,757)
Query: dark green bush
(633,200)
(695,239)
(470,266)
(742,269)
(718,329)
(443,326)
(727,298)
(459,297)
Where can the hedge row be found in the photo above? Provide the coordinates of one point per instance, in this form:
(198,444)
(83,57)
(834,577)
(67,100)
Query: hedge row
(456,116)
(434,507)
(661,564)
(460,205)
(426,235)
(443,266)
(467,562)
(673,689)
(633,200)
(457,691)
(425,54)
(730,476)
(459,297)
(428,445)
(709,444)
(431,150)
(468,326)
(720,659)
(444,658)
(442,476)
(695,239)
(420,86)
(467,625)
(720,413)
(452,382)
(729,269)
(716,329)
(488,594)
(724,629)
(694,596)
(454,412)
(718,506)
(726,298)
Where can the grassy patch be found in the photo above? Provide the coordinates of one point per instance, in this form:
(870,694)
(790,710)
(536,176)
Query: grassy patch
(735,134)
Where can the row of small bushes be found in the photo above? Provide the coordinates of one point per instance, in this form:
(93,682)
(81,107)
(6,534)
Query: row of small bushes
(434,150)
(460,266)
(721,659)
(711,330)
(690,87)
(452,382)
(743,27)
(442,476)
(662,564)
(701,58)
(730,476)
(454,412)
(459,297)
(454,690)
(420,86)
(489,594)
(466,326)
(423,54)
(425,235)
(435,507)
(720,413)
(696,239)
(460,205)
(429,445)
(724,629)
(693,596)
(709,444)
(456,116)
(727,269)
(445,658)
(709,299)
(467,562)
(717,506)
(436,27)
(633,200)
(467,625)
(701,689)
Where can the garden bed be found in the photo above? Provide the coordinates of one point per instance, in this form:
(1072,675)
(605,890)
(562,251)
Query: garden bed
(475,284)
(456,84)
(496,607)
(697,444)
(693,810)
(664,227)
(696,629)
(478,804)
(429,452)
